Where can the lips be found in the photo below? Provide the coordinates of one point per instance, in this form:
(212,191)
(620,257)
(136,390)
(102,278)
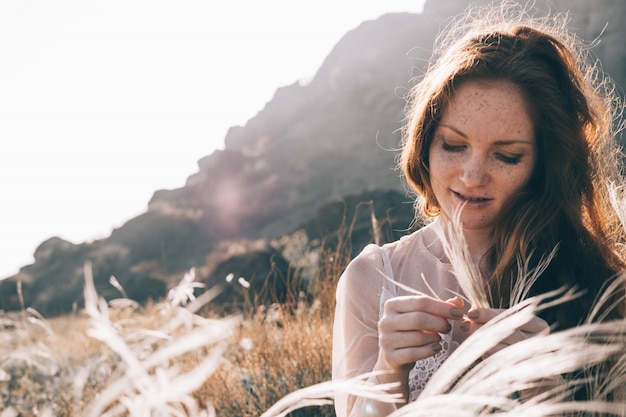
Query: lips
(470,198)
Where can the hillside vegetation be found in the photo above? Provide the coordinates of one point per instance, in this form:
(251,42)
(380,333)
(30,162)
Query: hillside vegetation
(180,356)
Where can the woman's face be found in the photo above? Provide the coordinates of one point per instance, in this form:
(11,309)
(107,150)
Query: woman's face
(483,151)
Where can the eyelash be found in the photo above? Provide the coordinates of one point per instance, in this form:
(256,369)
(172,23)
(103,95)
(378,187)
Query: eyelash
(510,160)
(450,148)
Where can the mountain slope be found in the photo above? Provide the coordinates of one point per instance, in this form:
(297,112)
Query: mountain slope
(312,144)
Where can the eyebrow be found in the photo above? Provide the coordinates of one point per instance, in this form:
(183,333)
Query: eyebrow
(499,142)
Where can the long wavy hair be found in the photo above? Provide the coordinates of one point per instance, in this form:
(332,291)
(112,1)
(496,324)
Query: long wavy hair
(574,110)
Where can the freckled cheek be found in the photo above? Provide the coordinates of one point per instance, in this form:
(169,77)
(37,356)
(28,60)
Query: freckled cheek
(514,179)
(442,166)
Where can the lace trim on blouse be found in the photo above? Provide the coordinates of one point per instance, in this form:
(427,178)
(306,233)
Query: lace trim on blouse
(424,368)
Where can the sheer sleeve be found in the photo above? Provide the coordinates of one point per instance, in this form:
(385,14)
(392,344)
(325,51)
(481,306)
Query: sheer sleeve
(355,330)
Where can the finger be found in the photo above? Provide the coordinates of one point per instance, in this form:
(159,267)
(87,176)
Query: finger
(483,315)
(536,326)
(430,305)
(457,301)
(400,340)
(408,356)
(469,327)
(532,328)
(413,321)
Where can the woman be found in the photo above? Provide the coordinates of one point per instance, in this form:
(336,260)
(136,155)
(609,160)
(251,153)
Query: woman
(510,126)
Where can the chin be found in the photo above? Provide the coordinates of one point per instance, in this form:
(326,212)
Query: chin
(475,225)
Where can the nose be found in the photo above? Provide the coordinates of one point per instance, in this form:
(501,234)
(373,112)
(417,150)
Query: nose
(474,171)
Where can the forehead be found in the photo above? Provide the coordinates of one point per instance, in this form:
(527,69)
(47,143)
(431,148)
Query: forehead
(494,110)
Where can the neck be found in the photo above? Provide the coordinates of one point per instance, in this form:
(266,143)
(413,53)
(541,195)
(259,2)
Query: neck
(477,242)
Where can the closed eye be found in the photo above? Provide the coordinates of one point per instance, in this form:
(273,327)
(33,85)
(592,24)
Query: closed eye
(511,160)
(451,148)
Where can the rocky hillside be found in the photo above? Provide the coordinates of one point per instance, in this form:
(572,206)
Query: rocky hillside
(285,170)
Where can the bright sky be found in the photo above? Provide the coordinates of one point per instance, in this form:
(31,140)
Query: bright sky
(102,102)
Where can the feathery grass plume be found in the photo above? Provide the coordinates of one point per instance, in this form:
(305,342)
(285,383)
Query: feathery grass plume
(151,384)
(409,289)
(474,348)
(37,356)
(32,316)
(186,316)
(116,284)
(184,291)
(607,300)
(527,276)
(20,294)
(322,394)
(376,232)
(468,276)
(243,282)
(524,379)
(611,382)
(474,383)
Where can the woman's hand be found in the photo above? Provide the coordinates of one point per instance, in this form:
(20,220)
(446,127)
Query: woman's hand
(409,330)
(477,317)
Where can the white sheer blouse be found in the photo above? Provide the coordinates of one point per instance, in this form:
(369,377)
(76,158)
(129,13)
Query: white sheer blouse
(417,261)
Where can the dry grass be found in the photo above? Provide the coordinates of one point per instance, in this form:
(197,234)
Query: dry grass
(279,351)
(165,359)
(89,363)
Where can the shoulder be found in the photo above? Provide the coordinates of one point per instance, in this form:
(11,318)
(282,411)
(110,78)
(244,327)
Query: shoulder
(366,267)
(366,270)
(424,239)
(360,285)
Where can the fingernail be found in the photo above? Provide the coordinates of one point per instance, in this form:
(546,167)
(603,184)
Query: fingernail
(472,314)
(449,328)
(456,313)
(464,327)
(436,347)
